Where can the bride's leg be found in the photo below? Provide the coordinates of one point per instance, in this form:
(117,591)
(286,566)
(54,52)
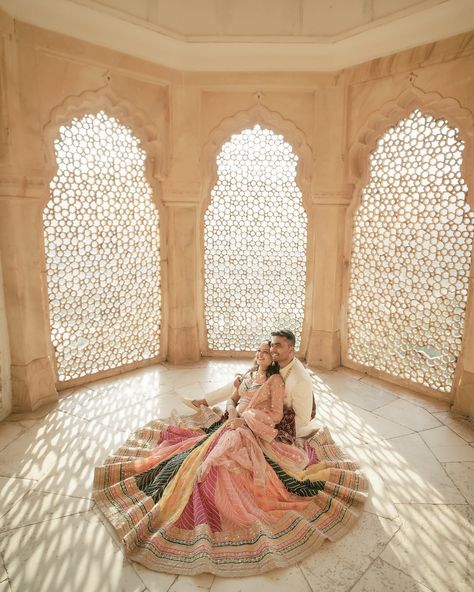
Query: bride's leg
(216,396)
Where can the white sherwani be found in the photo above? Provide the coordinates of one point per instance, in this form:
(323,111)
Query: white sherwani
(298,393)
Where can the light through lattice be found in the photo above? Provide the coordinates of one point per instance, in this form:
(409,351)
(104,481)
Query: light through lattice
(255,243)
(101,233)
(412,243)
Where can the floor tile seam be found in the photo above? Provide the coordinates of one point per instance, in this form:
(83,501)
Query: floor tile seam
(4,563)
(15,439)
(383,547)
(439,504)
(131,563)
(428,589)
(411,576)
(392,519)
(19,478)
(172,583)
(68,495)
(6,532)
(212,583)
(16,503)
(451,479)
(408,427)
(302,572)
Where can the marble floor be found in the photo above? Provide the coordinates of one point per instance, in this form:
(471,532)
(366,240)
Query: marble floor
(416,534)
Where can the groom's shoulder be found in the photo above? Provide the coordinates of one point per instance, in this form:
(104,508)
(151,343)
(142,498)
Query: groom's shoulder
(302,370)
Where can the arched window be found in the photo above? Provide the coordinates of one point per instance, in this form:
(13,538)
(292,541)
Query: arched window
(101,231)
(411,252)
(254,243)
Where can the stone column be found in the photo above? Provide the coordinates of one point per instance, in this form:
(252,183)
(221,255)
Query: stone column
(183,334)
(32,373)
(330,198)
(325,340)
(464,382)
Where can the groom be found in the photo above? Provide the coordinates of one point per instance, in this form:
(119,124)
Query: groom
(298,385)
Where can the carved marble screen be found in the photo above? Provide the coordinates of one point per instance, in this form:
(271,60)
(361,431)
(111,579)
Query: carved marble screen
(101,232)
(411,253)
(255,234)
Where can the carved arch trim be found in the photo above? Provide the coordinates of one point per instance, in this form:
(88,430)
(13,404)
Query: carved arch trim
(391,114)
(259,114)
(105,99)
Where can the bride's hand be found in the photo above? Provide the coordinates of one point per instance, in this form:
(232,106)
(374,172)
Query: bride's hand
(235,423)
(237,380)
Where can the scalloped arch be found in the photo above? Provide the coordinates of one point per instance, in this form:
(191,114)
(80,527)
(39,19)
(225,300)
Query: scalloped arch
(392,113)
(105,99)
(389,115)
(248,118)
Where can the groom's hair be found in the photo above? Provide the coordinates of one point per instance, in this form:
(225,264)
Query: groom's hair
(287,334)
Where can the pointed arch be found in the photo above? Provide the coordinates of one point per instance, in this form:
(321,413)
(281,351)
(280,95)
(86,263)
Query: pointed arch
(276,123)
(389,115)
(99,104)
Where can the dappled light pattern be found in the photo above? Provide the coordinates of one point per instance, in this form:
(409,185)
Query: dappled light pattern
(101,233)
(254,243)
(417,521)
(412,244)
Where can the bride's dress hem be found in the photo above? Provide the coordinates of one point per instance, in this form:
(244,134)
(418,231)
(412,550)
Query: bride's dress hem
(186,502)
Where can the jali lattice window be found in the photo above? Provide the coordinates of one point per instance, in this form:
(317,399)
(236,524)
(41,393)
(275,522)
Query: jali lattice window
(412,243)
(255,243)
(101,231)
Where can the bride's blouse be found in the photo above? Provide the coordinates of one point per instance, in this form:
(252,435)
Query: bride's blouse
(261,404)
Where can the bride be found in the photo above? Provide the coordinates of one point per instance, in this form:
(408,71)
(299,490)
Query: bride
(228,494)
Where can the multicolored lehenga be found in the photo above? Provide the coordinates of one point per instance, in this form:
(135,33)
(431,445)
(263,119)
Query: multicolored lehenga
(195,495)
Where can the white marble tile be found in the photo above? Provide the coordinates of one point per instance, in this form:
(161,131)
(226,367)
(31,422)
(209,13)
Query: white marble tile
(38,450)
(462,474)
(9,431)
(371,424)
(154,581)
(412,474)
(278,580)
(12,491)
(447,446)
(36,507)
(338,566)
(460,425)
(3,570)
(383,577)
(435,546)
(73,472)
(130,581)
(74,553)
(202,582)
(407,414)
(429,403)
(133,416)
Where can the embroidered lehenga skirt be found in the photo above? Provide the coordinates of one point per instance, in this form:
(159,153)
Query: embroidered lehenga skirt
(195,496)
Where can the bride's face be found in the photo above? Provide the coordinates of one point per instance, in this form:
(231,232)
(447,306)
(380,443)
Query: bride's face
(263,357)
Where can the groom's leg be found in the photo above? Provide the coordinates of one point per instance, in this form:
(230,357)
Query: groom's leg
(219,395)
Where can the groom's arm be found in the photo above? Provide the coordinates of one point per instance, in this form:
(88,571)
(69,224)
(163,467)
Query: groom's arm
(302,403)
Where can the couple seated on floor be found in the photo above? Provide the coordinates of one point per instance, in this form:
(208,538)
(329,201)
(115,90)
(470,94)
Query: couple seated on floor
(232,493)
(273,357)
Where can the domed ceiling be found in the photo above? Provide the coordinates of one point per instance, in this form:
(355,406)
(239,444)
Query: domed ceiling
(251,35)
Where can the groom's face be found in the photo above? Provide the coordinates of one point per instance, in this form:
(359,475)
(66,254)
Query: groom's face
(281,349)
